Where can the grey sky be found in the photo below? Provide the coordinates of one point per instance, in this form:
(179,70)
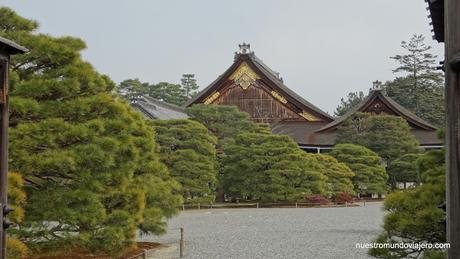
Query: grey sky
(322,49)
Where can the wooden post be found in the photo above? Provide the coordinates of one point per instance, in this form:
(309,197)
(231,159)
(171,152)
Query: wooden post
(296,205)
(3,149)
(452,50)
(183,207)
(199,207)
(7,48)
(181,243)
(257,205)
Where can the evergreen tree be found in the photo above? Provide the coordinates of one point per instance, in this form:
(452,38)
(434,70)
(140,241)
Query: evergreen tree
(421,87)
(413,214)
(90,160)
(189,85)
(132,88)
(170,93)
(224,122)
(339,175)
(352,100)
(370,175)
(388,136)
(269,167)
(188,150)
(16,201)
(404,170)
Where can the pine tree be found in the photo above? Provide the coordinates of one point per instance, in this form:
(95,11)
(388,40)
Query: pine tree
(339,175)
(189,85)
(132,88)
(413,214)
(188,150)
(352,100)
(421,87)
(370,175)
(389,136)
(269,167)
(95,177)
(404,170)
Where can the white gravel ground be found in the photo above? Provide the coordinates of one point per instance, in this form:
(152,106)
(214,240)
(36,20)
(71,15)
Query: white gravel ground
(275,233)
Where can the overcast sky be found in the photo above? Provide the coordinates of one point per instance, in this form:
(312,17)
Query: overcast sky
(322,49)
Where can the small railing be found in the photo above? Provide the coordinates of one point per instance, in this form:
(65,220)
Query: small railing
(198,206)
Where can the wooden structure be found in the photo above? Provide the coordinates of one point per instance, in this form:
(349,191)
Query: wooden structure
(256,89)
(7,48)
(445,15)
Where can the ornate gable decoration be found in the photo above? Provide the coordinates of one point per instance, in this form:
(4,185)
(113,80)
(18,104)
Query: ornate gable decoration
(308,116)
(211,98)
(244,76)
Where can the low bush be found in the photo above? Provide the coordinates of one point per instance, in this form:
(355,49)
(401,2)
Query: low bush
(317,199)
(343,197)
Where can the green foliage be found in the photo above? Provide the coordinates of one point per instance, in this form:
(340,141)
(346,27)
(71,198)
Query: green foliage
(167,92)
(352,100)
(404,170)
(188,150)
(224,122)
(16,201)
(91,162)
(269,167)
(188,83)
(413,216)
(339,175)
(370,175)
(170,93)
(421,87)
(389,136)
(131,88)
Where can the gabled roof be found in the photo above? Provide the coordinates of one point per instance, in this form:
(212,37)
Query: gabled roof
(11,47)
(158,110)
(268,76)
(436,8)
(377,94)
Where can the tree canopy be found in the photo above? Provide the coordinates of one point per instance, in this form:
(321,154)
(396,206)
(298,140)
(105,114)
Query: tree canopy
(413,214)
(389,136)
(80,147)
(188,150)
(224,122)
(404,170)
(420,88)
(352,100)
(370,175)
(269,167)
(339,175)
(177,94)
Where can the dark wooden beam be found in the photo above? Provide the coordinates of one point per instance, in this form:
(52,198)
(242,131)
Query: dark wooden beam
(452,50)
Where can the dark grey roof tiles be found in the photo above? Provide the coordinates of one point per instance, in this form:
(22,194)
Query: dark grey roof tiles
(158,110)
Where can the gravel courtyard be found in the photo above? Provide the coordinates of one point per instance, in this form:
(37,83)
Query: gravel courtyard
(274,233)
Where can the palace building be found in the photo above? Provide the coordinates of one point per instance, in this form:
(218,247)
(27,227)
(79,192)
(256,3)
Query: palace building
(256,89)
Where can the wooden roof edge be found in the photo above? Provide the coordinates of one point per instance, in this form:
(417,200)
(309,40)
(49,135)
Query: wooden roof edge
(274,77)
(269,74)
(436,9)
(399,109)
(13,47)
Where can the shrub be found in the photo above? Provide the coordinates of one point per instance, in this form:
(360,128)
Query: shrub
(317,199)
(343,197)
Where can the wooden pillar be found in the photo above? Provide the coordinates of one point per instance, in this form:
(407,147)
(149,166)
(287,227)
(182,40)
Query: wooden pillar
(3,147)
(452,50)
